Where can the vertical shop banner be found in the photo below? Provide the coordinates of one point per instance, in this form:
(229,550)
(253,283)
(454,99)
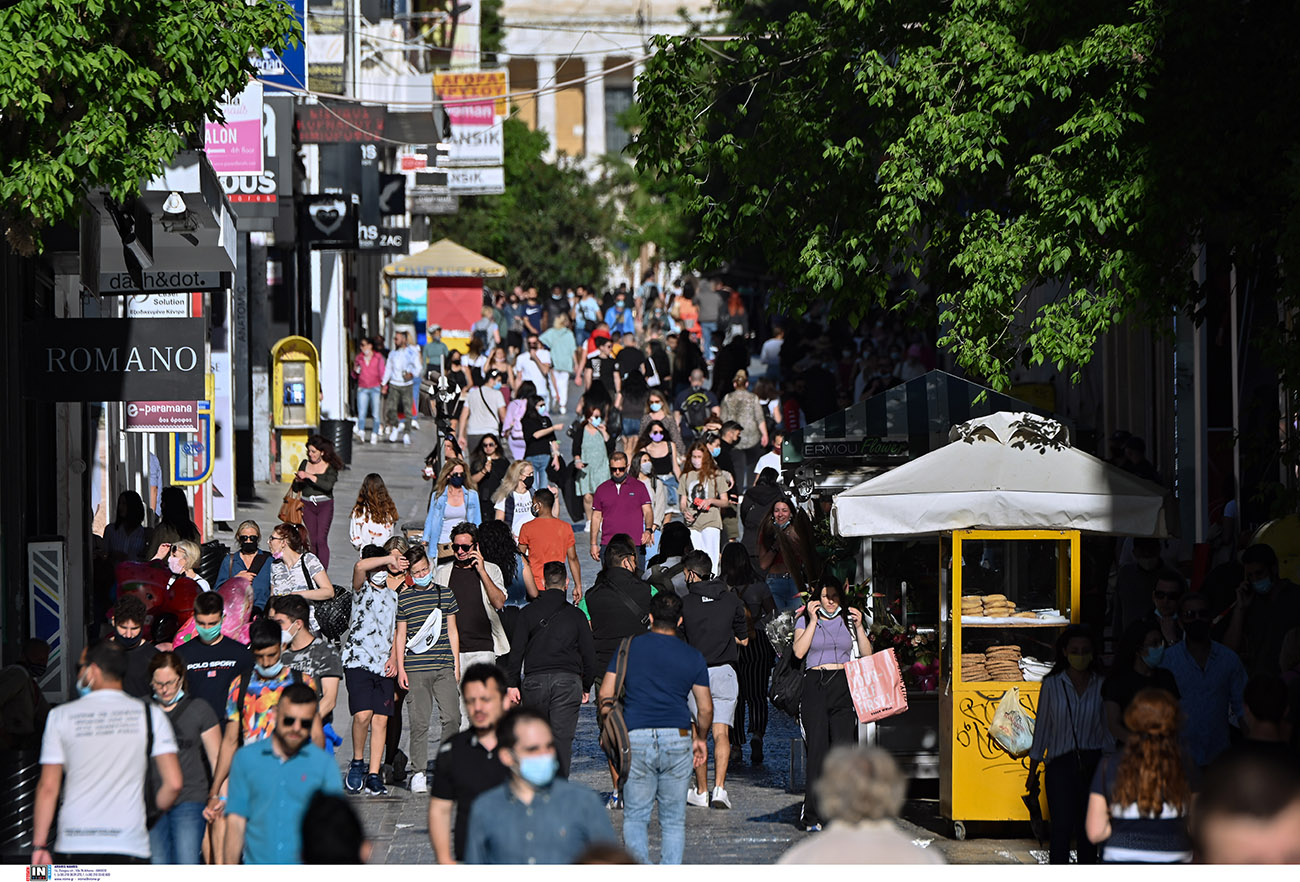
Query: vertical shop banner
(466,42)
(223,431)
(327,32)
(287,70)
(476,105)
(235,146)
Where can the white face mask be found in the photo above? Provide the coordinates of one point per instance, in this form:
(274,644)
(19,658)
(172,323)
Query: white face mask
(380,577)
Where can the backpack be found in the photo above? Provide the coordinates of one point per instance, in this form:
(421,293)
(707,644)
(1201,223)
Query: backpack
(786,690)
(614,737)
(481,335)
(696,410)
(244,679)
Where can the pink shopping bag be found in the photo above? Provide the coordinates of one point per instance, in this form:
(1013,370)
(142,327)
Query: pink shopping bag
(876,684)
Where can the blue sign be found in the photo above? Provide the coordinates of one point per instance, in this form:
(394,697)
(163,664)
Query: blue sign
(287,70)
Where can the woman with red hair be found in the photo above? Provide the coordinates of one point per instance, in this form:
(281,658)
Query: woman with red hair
(1141,797)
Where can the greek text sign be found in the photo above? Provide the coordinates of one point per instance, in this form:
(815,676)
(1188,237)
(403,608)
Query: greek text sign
(161,416)
(114,359)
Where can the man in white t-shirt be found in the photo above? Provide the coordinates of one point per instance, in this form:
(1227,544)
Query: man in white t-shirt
(99,743)
(771,459)
(485,409)
(535,366)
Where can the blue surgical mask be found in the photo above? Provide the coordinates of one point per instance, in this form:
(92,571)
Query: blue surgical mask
(539,771)
(655,406)
(715,450)
(83,689)
(1262,586)
(596,421)
(423,581)
(271,672)
(1153,655)
(180,693)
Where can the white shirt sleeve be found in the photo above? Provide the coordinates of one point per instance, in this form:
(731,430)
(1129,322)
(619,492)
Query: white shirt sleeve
(52,742)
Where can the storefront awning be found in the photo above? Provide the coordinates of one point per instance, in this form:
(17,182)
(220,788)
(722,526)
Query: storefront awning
(446,258)
(1007,471)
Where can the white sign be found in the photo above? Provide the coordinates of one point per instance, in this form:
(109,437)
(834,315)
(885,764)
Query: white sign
(477,181)
(158,306)
(476,105)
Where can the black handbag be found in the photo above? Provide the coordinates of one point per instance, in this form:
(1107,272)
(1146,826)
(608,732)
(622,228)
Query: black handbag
(333,616)
(786,689)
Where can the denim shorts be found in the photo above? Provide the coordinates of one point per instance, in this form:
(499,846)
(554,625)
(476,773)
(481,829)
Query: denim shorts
(631,426)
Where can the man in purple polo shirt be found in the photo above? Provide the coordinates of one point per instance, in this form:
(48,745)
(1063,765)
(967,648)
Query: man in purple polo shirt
(621,506)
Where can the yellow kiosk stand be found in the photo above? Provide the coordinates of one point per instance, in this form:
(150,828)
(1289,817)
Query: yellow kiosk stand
(1013,591)
(295,400)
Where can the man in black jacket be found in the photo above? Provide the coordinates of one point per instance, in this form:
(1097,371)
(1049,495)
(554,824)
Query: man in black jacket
(558,658)
(713,620)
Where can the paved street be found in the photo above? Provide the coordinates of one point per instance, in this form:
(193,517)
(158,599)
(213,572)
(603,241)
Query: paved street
(757,830)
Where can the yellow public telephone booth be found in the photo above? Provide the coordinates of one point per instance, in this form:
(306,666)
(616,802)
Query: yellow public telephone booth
(295,400)
(1013,591)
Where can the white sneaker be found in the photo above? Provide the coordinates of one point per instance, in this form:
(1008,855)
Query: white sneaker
(374,437)
(406,437)
(694,797)
(415,425)
(720,800)
(418,784)
(392,436)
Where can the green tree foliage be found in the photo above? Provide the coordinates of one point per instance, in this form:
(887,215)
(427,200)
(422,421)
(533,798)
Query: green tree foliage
(551,225)
(976,149)
(99,94)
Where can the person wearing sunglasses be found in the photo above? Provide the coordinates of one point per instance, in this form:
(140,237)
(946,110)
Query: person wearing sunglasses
(1211,680)
(1164,605)
(621,506)
(272,782)
(479,588)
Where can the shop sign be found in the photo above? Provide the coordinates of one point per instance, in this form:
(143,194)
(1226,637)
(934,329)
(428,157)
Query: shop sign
(475,103)
(340,123)
(161,416)
(151,359)
(235,146)
(871,448)
(477,181)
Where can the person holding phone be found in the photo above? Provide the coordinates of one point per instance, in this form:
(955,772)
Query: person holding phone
(479,590)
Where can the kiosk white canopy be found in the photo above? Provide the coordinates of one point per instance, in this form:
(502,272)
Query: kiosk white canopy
(1006,471)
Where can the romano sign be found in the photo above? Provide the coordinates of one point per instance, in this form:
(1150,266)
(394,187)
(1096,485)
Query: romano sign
(114,359)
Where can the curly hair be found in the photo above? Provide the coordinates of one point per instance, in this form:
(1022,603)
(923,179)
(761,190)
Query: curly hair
(497,545)
(445,475)
(374,502)
(1151,771)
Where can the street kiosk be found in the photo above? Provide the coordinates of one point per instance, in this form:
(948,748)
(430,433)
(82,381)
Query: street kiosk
(1010,499)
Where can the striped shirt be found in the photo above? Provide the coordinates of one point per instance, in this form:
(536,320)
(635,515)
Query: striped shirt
(1068,721)
(1142,839)
(414,606)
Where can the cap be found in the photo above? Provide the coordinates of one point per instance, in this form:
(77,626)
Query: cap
(600,334)
(435,327)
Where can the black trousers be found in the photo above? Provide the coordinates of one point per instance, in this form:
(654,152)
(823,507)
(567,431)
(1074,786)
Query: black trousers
(828,719)
(1068,780)
(96,860)
(556,695)
(394,734)
(754,669)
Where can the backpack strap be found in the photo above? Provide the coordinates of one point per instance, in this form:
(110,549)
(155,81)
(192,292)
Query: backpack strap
(244,679)
(259,561)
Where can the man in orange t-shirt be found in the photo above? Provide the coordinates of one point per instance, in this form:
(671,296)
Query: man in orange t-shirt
(546,538)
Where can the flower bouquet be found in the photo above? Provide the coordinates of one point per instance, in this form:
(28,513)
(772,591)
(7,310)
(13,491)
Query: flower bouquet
(917,651)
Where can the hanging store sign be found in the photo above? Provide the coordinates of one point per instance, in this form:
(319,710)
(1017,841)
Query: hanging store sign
(161,416)
(153,359)
(475,103)
(162,282)
(259,195)
(329,221)
(340,123)
(235,146)
(477,181)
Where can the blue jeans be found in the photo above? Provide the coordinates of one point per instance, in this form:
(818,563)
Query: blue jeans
(517,591)
(708,330)
(177,838)
(367,403)
(784,591)
(539,463)
(670,484)
(653,548)
(661,768)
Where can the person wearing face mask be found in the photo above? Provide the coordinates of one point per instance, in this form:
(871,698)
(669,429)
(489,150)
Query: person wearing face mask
(535,817)
(590,453)
(1134,583)
(705,492)
(1266,608)
(455,499)
(310,655)
(1070,735)
(485,408)
(540,447)
(1164,610)
(1211,680)
(250,706)
(657,443)
(177,837)
(621,506)
(213,660)
(785,552)
(696,408)
(1136,667)
(295,570)
(128,632)
(181,561)
(249,562)
(644,471)
(92,753)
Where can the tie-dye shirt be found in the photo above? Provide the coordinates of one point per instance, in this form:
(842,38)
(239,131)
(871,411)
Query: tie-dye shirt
(262,695)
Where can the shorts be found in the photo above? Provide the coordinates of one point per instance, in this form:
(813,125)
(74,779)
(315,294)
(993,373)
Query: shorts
(368,691)
(631,426)
(724,688)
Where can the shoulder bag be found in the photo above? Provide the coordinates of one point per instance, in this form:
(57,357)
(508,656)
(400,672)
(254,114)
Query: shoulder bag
(614,737)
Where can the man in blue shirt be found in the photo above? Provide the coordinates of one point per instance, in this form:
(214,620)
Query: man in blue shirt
(535,817)
(273,780)
(620,317)
(1211,680)
(662,670)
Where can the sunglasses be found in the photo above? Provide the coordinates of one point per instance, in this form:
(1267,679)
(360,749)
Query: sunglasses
(459,547)
(296,722)
(489,446)
(617,470)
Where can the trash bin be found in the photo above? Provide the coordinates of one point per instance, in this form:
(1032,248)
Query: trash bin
(19,772)
(339,433)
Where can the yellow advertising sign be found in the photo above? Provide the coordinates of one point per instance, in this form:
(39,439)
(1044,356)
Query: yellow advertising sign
(473,84)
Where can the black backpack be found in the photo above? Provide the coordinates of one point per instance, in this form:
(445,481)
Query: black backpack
(786,690)
(696,410)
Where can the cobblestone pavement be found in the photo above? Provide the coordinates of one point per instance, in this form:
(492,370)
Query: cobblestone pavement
(759,827)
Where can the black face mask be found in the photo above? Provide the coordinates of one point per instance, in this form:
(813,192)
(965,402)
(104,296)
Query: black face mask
(1198,630)
(128,642)
(36,669)
(248,546)
(456,480)
(528,482)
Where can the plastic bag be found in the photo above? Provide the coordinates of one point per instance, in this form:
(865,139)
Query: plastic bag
(1012,728)
(876,685)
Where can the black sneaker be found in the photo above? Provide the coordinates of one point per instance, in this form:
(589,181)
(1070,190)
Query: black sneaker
(375,785)
(756,752)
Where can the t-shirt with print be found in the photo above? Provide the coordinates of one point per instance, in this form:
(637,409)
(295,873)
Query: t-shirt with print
(262,695)
(547,539)
(414,607)
(189,721)
(696,486)
(318,660)
(289,580)
(522,506)
(100,742)
(371,629)
(602,371)
(209,669)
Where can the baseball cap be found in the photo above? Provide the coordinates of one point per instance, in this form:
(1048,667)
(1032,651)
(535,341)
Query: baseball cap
(435,327)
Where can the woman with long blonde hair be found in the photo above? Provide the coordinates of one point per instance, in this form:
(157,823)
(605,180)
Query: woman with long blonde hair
(1141,797)
(515,507)
(373,514)
(454,500)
